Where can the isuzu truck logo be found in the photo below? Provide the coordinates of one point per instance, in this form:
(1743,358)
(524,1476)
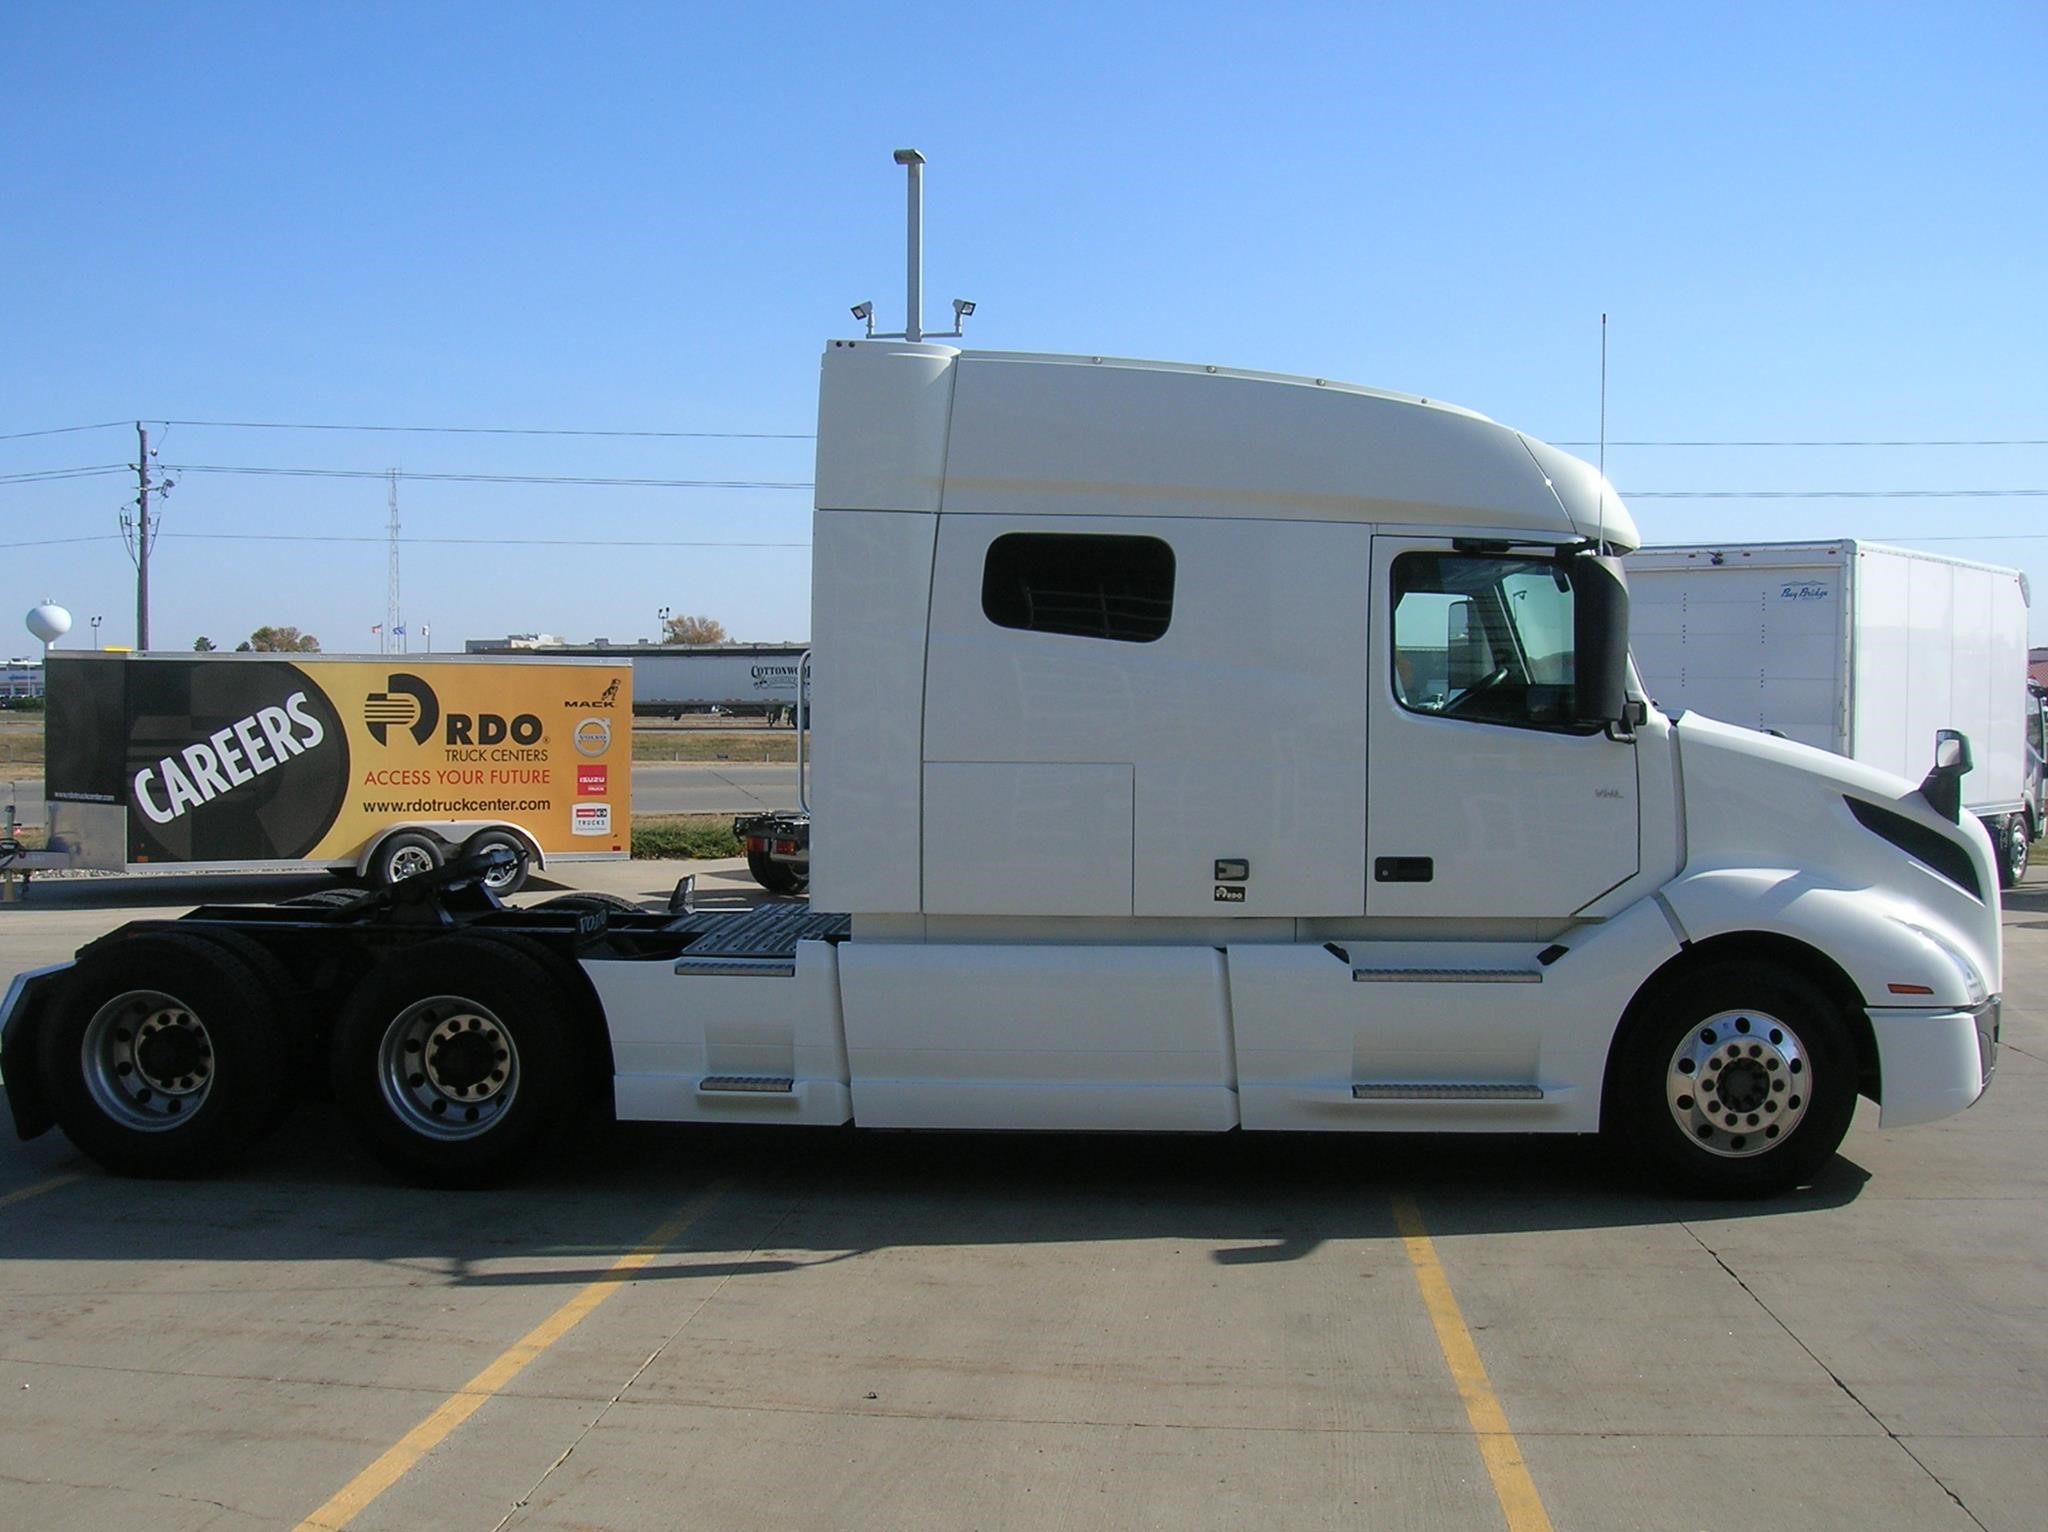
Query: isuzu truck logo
(408,703)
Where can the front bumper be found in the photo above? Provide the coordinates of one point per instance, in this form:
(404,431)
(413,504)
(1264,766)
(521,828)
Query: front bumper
(1933,1064)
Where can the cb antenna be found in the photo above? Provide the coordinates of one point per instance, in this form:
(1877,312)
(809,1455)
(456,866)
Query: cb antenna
(913,297)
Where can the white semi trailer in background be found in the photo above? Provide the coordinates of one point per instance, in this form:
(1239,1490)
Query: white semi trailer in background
(1853,647)
(1198,750)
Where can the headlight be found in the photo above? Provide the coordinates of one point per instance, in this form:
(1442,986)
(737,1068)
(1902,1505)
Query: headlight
(1973,981)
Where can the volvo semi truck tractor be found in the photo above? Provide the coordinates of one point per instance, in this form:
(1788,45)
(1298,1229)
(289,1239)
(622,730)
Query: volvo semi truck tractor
(1196,750)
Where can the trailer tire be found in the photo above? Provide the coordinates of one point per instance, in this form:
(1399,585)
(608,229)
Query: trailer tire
(164,1054)
(2014,851)
(454,1058)
(404,855)
(1737,1080)
(504,881)
(776,877)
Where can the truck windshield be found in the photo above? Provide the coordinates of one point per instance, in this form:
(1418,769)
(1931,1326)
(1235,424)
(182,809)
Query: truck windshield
(1484,637)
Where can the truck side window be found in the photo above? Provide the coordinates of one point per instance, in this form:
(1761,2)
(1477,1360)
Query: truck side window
(1484,637)
(1087,585)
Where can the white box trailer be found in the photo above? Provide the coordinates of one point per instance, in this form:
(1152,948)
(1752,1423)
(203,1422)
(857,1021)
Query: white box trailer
(1198,750)
(1849,646)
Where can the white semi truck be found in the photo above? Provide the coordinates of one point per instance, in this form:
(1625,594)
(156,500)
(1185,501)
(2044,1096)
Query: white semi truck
(1855,647)
(1197,750)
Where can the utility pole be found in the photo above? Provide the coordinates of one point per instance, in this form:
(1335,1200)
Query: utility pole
(140,534)
(394,621)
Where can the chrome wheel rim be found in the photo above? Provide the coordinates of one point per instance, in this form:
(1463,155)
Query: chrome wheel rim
(1738,1084)
(498,879)
(148,1060)
(409,862)
(448,1067)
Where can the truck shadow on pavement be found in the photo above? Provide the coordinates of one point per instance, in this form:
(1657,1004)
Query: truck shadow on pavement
(781,1200)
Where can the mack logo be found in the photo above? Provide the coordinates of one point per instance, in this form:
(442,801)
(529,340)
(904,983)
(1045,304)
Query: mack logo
(606,698)
(410,703)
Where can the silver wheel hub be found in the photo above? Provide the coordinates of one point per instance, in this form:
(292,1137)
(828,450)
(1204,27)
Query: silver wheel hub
(1738,1083)
(409,862)
(148,1060)
(448,1067)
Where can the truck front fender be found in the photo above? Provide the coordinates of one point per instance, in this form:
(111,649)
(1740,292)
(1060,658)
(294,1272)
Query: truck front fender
(1897,953)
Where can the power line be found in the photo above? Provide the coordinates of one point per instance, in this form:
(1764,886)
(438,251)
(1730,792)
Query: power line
(102,425)
(463,542)
(282,425)
(53,475)
(1833,494)
(2017,441)
(587,481)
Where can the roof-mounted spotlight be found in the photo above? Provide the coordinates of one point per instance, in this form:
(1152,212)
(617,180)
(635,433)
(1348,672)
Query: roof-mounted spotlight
(962,308)
(865,313)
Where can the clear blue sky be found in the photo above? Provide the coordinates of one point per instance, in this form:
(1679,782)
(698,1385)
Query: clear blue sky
(1805,221)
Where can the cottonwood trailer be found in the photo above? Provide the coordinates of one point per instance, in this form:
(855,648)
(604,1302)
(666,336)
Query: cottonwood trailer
(1198,750)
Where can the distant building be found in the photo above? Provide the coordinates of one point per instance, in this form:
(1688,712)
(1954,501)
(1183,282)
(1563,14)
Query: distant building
(20,680)
(2037,665)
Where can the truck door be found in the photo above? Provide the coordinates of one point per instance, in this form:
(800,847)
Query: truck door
(1484,799)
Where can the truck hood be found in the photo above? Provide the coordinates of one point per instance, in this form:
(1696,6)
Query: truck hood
(1756,802)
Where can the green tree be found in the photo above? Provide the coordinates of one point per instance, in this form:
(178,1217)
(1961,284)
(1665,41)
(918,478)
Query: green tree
(202,645)
(693,630)
(269,640)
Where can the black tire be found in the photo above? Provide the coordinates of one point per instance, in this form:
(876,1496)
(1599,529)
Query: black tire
(776,877)
(453,1059)
(1776,1072)
(2014,850)
(592,901)
(404,855)
(505,881)
(164,1054)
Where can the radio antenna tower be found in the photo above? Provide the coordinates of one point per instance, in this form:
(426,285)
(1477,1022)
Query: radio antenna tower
(394,621)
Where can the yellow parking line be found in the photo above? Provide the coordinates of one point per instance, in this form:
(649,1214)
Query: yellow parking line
(354,1497)
(1519,1502)
(39,1188)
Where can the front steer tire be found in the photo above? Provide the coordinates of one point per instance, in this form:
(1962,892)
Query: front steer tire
(454,1059)
(165,1054)
(1737,1080)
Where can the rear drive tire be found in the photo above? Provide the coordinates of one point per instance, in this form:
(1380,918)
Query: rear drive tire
(454,1058)
(1737,1081)
(165,1054)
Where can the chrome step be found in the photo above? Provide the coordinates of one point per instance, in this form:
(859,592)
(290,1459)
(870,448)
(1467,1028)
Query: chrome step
(737,967)
(1446,976)
(748,1085)
(1446,1092)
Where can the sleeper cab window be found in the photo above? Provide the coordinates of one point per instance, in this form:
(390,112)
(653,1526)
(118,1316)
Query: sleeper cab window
(1486,638)
(1085,584)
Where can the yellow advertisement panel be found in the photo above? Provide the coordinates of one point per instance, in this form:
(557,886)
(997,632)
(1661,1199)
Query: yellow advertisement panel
(546,747)
(250,759)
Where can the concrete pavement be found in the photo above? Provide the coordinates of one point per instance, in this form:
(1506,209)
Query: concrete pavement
(899,1331)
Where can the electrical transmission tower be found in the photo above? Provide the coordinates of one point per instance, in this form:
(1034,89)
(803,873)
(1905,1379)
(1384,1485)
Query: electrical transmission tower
(394,619)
